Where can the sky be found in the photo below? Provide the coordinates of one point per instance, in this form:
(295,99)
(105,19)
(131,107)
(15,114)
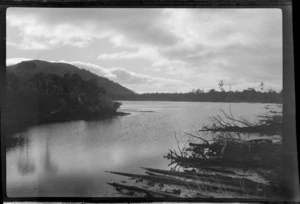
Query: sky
(155,50)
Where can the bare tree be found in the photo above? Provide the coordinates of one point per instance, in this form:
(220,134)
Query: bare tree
(261,86)
(221,85)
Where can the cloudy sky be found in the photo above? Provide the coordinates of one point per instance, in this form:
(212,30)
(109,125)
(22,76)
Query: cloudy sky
(155,50)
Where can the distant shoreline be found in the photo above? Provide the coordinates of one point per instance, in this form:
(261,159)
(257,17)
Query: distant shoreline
(202,101)
(248,96)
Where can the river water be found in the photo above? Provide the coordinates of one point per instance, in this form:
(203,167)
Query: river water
(70,159)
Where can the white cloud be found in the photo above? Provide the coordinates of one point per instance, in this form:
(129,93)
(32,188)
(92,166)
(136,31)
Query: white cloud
(96,69)
(119,55)
(12,61)
(145,83)
(143,52)
(135,81)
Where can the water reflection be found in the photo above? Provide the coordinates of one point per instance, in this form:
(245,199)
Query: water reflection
(25,163)
(29,154)
(49,165)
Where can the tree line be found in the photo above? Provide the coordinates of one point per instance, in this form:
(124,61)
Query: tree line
(248,95)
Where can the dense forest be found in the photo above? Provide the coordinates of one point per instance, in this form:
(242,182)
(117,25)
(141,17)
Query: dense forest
(51,98)
(248,95)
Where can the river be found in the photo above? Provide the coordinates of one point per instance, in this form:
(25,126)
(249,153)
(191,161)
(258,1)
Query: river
(70,159)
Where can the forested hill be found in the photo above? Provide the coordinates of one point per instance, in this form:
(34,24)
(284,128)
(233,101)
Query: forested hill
(39,92)
(27,69)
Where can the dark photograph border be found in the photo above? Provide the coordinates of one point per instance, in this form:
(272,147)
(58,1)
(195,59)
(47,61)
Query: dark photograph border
(290,179)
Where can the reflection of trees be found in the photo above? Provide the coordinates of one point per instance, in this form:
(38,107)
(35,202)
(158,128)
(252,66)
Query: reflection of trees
(25,165)
(49,166)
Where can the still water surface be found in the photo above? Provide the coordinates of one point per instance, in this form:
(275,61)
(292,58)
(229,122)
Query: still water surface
(70,159)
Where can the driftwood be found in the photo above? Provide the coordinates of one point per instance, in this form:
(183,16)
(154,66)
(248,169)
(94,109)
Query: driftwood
(193,182)
(227,152)
(181,181)
(199,163)
(147,192)
(267,125)
(216,167)
(212,178)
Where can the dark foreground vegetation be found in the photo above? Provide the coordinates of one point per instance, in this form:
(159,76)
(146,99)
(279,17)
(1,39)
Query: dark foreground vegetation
(249,95)
(232,164)
(53,98)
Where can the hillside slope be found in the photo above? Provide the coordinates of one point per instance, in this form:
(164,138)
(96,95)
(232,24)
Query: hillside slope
(27,69)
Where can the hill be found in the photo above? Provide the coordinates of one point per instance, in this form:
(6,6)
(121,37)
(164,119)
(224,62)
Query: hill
(39,92)
(27,69)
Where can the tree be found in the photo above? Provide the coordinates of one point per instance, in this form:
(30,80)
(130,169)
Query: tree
(261,86)
(198,91)
(271,91)
(221,85)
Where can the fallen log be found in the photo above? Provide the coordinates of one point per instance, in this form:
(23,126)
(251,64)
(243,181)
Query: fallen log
(214,185)
(219,170)
(221,142)
(226,162)
(212,178)
(148,192)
